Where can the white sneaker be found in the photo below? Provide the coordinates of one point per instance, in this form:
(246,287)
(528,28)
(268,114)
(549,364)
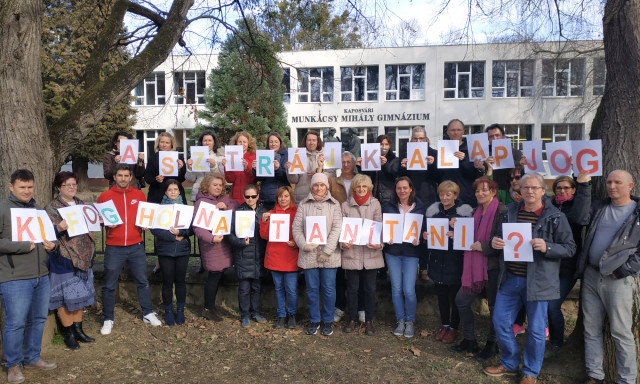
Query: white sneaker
(361,316)
(152,319)
(106,327)
(337,314)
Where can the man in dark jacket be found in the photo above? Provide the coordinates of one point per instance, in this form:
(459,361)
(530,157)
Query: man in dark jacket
(532,284)
(500,176)
(24,285)
(609,263)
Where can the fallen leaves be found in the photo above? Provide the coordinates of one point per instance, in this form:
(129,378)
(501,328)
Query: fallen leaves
(415,351)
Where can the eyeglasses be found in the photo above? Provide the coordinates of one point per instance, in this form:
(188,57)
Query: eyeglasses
(514,177)
(250,196)
(564,188)
(533,188)
(69,185)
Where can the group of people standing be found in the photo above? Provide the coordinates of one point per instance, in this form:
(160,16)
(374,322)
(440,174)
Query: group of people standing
(58,275)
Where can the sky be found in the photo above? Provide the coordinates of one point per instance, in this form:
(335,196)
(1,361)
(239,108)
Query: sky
(458,23)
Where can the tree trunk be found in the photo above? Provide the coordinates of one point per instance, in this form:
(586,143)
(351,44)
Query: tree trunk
(80,166)
(24,137)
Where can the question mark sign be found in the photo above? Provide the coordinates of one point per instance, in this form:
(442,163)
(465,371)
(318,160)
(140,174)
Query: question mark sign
(518,244)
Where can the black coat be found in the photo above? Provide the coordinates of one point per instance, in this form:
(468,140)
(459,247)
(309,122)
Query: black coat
(445,267)
(249,259)
(425,182)
(404,249)
(156,190)
(167,245)
(384,180)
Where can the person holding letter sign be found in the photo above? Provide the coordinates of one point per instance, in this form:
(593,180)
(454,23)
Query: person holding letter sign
(501,176)
(319,262)
(427,179)
(153,175)
(445,267)
(384,179)
(215,251)
(207,139)
(248,258)
(24,284)
(270,185)
(362,261)
(174,249)
(281,258)
(467,173)
(533,284)
(402,259)
(124,245)
(480,268)
(70,272)
(112,158)
(315,164)
(239,179)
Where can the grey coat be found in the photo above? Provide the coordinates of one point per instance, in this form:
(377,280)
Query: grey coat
(359,257)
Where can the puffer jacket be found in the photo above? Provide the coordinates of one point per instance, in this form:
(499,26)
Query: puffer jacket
(302,187)
(239,179)
(330,208)
(17,262)
(404,249)
(216,257)
(269,185)
(543,274)
(384,179)
(197,177)
(577,211)
(622,257)
(279,256)
(445,267)
(359,257)
(167,245)
(248,259)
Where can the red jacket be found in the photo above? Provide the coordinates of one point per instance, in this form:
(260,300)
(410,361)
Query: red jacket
(239,179)
(126,202)
(280,256)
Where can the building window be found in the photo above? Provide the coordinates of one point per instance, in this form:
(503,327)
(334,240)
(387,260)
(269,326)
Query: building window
(563,77)
(518,133)
(188,87)
(150,91)
(512,78)
(399,136)
(315,85)
(599,75)
(359,83)
(404,82)
(286,74)
(464,80)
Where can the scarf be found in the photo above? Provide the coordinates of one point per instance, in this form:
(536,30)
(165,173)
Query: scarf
(315,197)
(361,200)
(561,199)
(515,195)
(167,200)
(474,270)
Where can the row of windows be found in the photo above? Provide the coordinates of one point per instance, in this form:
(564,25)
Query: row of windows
(462,80)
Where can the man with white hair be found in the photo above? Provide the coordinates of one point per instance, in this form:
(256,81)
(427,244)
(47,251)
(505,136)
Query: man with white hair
(529,285)
(609,263)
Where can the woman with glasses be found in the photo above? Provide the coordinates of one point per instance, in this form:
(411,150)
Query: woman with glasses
(70,263)
(513,193)
(248,257)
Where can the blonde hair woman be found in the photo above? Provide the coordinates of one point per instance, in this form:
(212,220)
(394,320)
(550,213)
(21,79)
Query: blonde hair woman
(157,186)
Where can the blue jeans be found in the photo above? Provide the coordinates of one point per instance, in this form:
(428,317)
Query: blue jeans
(321,280)
(511,297)
(286,282)
(402,273)
(556,318)
(26,304)
(114,259)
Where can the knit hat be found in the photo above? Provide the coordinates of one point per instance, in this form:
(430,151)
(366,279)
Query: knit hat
(320,178)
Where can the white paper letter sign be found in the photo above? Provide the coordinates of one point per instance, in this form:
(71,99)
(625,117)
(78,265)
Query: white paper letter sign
(502,153)
(24,225)
(392,225)
(204,216)
(222,222)
(75,219)
(417,156)
(332,155)
(559,158)
(199,155)
(279,224)
(463,233)
(92,217)
(437,229)
(446,149)
(233,154)
(168,163)
(264,163)
(245,224)
(163,218)
(587,157)
(129,151)
(182,215)
(146,214)
(316,229)
(532,150)
(109,213)
(517,238)
(46,226)
(298,159)
(478,146)
(351,228)
(412,227)
(371,232)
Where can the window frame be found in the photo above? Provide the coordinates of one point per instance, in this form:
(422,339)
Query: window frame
(180,81)
(415,93)
(550,86)
(522,90)
(324,96)
(366,80)
(474,92)
(140,91)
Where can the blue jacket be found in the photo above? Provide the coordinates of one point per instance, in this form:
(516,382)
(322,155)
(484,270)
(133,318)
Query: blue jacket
(404,249)
(269,185)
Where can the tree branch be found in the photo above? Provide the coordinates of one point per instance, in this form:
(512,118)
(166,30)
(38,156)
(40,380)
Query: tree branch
(151,15)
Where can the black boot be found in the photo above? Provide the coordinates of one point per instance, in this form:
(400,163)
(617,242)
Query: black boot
(466,346)
(490,349)
(70,337)
(79,333)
